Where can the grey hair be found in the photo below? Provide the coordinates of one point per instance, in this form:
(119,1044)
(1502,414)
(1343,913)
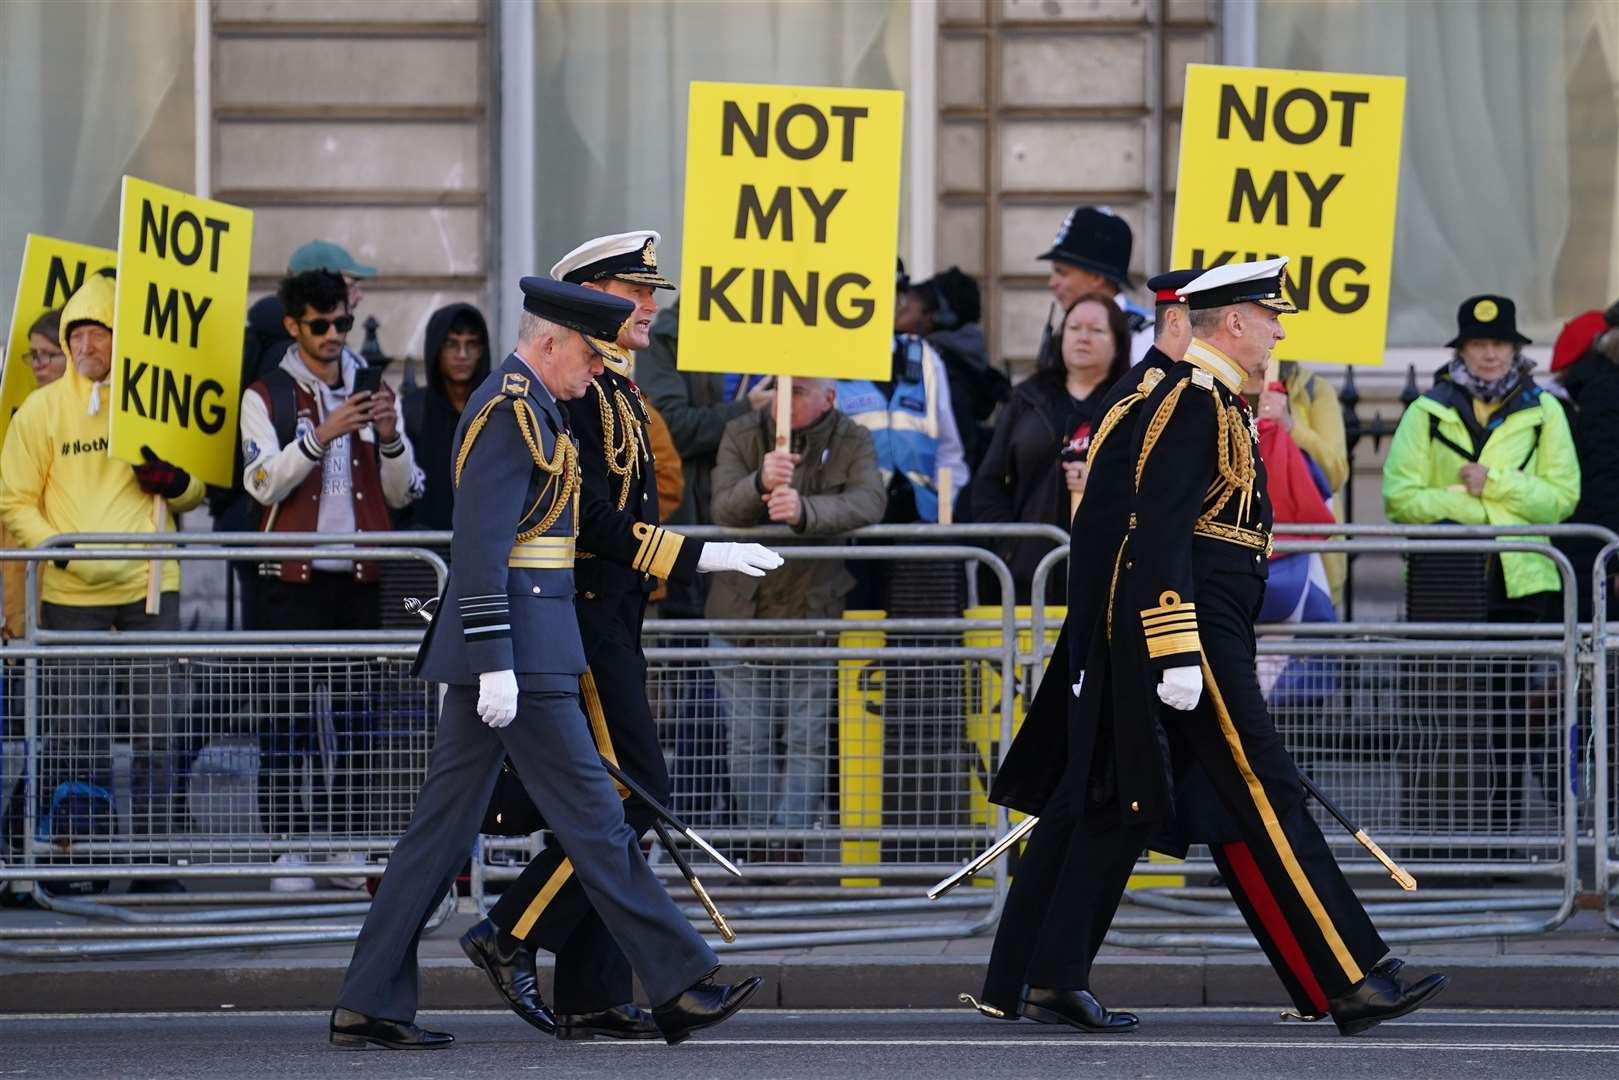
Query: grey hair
(531,328)
(1208,318)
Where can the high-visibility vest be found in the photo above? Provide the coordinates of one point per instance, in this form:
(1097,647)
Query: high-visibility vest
(905,427)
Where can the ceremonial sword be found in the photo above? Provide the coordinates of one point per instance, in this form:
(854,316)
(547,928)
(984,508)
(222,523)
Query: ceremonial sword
(424,608)
(1401,876)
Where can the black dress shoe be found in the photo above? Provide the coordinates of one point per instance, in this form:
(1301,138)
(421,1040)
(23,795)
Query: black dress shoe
(1076,1008)
(619,1022)
(704,1004)
(511,969)
(355,1031)
(1389,968)
(1379,997)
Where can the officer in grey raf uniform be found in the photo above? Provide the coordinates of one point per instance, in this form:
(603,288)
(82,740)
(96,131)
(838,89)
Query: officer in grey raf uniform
(505,642)
(546,907)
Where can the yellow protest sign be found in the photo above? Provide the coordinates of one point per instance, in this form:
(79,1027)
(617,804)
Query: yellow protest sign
(1304,164)
(177,330)
(52,271)
(791,227)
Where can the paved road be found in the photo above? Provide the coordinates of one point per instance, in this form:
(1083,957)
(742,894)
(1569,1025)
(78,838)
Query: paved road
(765,1045)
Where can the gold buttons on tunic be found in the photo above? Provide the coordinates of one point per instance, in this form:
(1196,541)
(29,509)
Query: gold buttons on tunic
(1135,807)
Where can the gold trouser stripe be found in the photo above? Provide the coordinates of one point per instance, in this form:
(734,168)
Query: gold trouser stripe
(598,724)
(531,915)
(1278,839)
(604,746)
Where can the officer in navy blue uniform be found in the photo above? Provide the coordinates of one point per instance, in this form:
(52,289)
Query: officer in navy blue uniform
(1048,768)
(546,907)
(505,642)
(1186,588)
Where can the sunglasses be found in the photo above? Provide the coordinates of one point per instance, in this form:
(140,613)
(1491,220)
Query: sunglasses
(318,327)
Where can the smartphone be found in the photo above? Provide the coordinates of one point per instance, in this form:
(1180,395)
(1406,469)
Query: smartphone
(367,379)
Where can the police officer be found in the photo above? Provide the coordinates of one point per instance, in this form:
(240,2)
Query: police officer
(1091,254)
(547,907)
(1189,581)
(505,642)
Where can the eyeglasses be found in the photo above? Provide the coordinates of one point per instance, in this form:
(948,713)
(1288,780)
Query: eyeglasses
(318,327)
(46,356)
(464,348)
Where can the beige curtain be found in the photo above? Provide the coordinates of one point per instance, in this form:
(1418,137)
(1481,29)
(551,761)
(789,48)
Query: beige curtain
(1508,105)
(89,90)
(611,79)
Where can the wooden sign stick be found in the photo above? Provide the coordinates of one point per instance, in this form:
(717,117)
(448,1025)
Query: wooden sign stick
(784,411)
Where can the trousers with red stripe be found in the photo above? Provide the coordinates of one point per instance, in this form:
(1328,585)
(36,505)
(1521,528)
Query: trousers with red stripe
(1067,887)
(1289,885)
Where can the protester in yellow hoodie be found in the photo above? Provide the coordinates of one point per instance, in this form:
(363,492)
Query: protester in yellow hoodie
(56,477)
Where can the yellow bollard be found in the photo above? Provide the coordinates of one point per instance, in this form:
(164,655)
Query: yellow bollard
(860,745)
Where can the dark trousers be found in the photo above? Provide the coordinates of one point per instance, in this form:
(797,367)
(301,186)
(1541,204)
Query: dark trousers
(305,701)
(1523,708)
(546,906)
(1232,736)
(1066,889)
(553,753)
(89,704)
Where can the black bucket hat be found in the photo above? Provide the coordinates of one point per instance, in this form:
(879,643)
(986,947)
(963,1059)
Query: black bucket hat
(1494,318)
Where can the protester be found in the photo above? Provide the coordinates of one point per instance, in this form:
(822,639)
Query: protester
(320,456)
(49,362)
(57,477)
(826,482)
(1487,445)
(1091,254)
(944,311)
(1034,471)
(456,354)
(1586,361)
(696,405)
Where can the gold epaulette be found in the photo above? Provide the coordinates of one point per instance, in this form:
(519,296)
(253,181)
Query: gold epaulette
(1171,627)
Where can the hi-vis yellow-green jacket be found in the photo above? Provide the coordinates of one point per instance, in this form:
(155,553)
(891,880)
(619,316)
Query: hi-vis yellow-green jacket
(1534,475)
(56,477)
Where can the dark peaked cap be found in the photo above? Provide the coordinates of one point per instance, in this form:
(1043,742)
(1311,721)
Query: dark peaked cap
(1166,287)
(597,315)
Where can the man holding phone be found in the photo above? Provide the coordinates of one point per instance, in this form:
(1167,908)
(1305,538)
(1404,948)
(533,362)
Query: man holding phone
(323,451)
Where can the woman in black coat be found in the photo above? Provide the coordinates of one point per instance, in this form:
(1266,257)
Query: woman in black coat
(1025,477)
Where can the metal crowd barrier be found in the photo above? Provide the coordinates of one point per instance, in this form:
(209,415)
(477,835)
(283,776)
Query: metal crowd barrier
(195,756)
(1449,743)
(913,714)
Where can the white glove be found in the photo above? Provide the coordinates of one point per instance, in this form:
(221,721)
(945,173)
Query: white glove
(497,697)
(750,559)
(1181,687)
(1079,681)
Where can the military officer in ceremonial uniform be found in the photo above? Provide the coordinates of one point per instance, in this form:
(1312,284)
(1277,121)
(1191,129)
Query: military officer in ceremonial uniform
(1187,586)
(1068,882)
(547,907)
(505,642)
(1063,764)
